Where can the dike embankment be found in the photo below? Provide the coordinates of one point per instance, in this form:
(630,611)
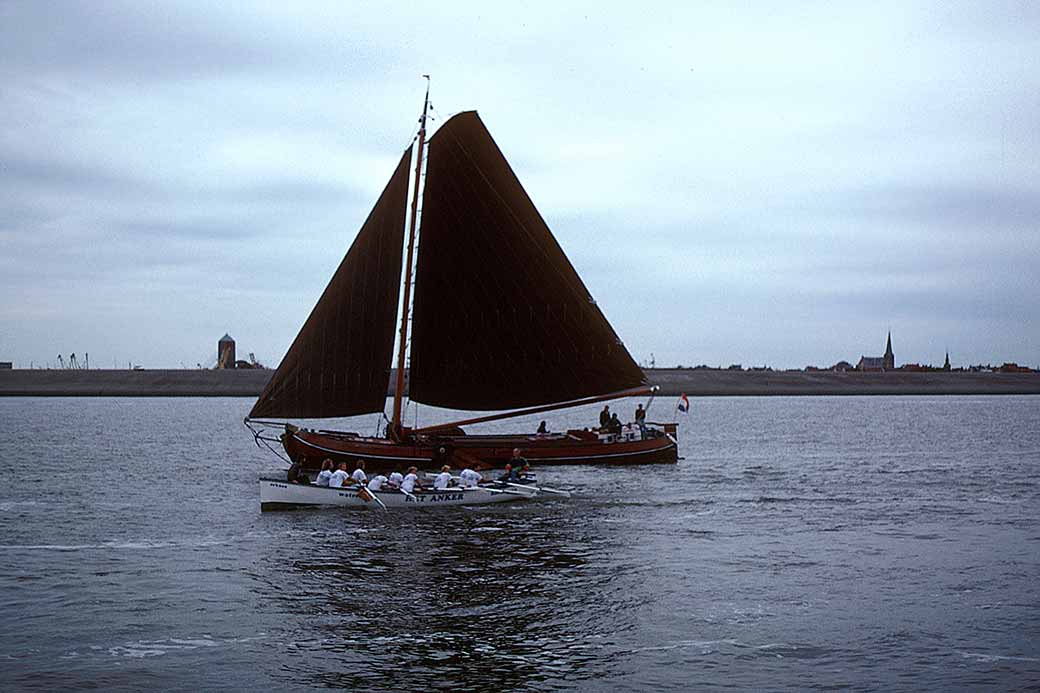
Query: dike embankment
(695,383)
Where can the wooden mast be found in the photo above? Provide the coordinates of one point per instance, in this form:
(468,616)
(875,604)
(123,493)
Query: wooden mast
(395,427)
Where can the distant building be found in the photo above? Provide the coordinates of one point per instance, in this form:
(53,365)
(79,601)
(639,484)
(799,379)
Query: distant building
(946,363)
(842,366)
(879,363)
(6,365)
(226,352)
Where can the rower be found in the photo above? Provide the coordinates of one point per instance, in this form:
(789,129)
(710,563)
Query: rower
(359,475)
(377,482)
(410,480)
(469,478)
(395,479)
(325,473)
(443,479)
(340,478)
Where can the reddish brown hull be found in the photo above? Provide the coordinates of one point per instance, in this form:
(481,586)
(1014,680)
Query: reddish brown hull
(379,454)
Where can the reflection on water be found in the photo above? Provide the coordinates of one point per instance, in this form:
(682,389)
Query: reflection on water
(490,597)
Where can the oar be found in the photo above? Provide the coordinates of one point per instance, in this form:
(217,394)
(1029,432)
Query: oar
(374,497)
(539,489)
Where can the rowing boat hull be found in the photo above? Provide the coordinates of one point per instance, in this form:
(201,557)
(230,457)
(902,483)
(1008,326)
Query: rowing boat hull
(280,495)
(484,452)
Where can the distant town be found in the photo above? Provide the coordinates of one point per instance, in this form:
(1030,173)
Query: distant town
(226,359)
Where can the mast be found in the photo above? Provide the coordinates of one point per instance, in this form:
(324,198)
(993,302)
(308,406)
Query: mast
(395,427)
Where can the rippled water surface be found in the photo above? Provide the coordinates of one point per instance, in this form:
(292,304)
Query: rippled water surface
(802,543)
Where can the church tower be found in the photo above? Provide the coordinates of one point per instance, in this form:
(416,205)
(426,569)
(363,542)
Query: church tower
(889,359)
(946,365)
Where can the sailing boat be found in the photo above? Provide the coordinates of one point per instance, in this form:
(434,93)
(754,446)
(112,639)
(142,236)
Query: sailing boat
(501,321)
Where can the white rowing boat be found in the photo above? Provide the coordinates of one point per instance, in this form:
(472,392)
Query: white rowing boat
(280,495)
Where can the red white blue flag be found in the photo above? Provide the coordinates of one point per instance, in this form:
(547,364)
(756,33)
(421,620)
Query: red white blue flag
(684,404)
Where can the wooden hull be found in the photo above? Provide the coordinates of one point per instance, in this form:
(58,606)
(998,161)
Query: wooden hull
(484,452)
(280,495)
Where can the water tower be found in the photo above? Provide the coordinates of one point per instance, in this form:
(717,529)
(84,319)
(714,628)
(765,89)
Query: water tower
(226,352)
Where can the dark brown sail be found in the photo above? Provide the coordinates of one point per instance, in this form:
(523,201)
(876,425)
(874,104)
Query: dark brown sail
(501,319)
(339,363)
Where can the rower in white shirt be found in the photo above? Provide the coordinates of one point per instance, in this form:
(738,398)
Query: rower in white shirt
(395,479)
(325,473)
(359,474)
(340,477)
(410,480)
(469,478)
(443,479)
(377,482)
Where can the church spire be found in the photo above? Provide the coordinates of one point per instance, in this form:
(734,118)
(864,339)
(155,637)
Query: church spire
(889,363)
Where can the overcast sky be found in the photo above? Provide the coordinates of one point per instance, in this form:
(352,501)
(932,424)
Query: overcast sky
(750,183)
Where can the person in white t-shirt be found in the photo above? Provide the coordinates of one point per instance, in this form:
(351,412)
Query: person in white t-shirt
(469,478)
(443,479)
(395,479)
(340,477)
(377,482)
(410,480)
(359,474)
(326,472)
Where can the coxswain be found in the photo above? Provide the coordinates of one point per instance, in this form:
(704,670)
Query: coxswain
(510,474)
(517,460)
(325,473)
(376,483)
(443,479)
(359,475)
(410,480)
(340,477)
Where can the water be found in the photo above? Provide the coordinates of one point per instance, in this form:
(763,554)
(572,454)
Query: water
(803,543)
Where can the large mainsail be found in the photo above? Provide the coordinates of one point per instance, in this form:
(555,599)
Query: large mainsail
(339,364)
(501,319)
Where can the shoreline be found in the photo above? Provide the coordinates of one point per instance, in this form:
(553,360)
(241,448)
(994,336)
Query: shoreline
(673,382)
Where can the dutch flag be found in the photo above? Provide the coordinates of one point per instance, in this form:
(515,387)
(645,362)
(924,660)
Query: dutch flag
(684,404)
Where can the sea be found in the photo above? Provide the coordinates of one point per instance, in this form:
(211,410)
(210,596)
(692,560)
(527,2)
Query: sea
(801,543)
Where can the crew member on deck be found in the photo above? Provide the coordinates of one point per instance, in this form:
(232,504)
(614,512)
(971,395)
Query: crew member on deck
(604,418)
(359,475)
(641,419)
(325,473)
(614,425)
(340,477)
(443,479)
(542,429)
